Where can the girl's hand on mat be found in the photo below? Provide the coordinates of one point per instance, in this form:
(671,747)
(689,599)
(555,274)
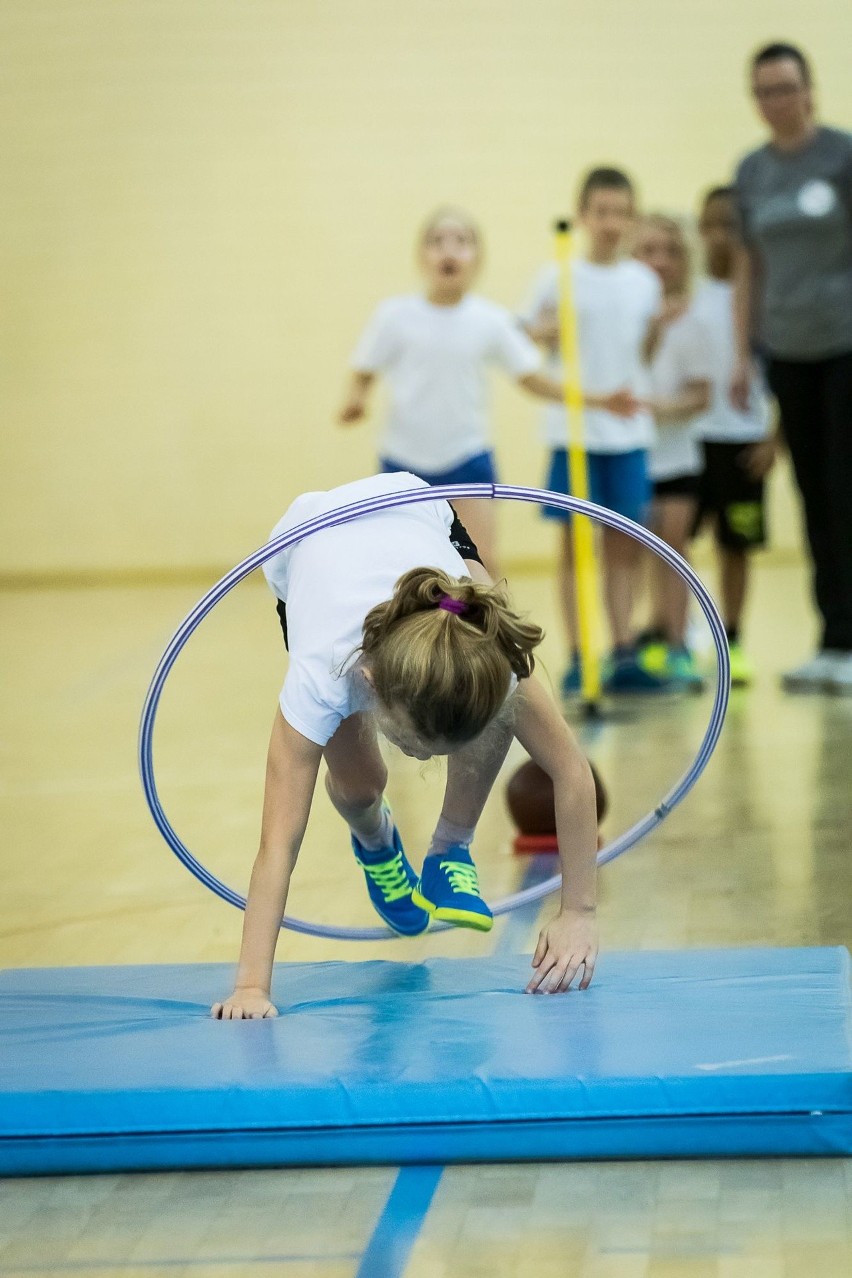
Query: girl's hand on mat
(568,943)
(246,1004)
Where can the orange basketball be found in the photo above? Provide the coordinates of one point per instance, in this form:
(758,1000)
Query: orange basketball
(529,795)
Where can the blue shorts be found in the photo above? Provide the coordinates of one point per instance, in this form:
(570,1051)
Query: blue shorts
(476,470)
(617,481)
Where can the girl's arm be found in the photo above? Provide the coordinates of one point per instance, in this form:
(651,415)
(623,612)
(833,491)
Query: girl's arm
(622,402)
(292,765)
(357,394)
(570,940)
(693,399)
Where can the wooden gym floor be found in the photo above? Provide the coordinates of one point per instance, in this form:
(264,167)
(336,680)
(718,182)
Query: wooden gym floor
(759,854)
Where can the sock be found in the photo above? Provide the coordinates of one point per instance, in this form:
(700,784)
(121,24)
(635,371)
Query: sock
(448,835)
(381,837)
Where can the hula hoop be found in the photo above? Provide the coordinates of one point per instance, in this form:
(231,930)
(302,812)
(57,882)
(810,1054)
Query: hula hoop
(407,497)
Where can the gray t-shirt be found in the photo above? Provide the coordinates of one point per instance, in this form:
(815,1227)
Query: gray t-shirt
(796,213)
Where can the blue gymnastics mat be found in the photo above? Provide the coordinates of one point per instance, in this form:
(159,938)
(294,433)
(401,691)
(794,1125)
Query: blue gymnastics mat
(668,1054)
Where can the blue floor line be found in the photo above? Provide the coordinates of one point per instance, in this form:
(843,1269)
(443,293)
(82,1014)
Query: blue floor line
(399,1225)
(397,1228)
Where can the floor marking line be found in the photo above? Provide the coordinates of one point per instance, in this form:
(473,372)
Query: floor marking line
(396,1230)
(167,1262)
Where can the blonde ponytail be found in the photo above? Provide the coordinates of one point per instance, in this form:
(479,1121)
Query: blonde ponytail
(445,651)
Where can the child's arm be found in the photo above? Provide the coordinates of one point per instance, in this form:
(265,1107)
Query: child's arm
(357,394)
(544,328)
(291,771)
(745,279)
(694,398)
(671,310)
(570,940)
(621,402)
(759,458)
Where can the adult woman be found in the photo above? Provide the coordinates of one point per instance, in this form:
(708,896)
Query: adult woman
(794,298)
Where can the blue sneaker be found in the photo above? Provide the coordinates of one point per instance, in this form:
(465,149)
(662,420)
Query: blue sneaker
(390,883)
(625,674)
(449,890)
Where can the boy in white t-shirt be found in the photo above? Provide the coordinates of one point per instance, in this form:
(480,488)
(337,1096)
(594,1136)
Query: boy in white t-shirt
(435,350)
(615,300)
(739,450)
(680,369)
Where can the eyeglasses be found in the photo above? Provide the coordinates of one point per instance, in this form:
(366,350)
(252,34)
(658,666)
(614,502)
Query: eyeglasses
(765,92)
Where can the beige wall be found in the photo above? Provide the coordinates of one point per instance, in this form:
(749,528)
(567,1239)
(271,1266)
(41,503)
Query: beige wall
(203,200)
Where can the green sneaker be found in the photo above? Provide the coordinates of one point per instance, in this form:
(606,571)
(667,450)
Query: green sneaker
(742,669)
(653,657)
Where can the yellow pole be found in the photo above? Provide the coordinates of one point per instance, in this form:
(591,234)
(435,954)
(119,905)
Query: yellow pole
(588,605)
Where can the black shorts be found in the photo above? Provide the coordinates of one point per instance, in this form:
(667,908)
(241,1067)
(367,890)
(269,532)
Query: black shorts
(678,486)
(732,497)
(460,540)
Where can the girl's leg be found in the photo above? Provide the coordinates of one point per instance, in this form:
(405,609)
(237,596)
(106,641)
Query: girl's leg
(674,517)
(355,783)
(480,519)
(357,776)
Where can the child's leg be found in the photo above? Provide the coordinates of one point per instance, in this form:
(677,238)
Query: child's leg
(621,483)
(480,519)
(674,518)
(566,584)
(355,783)
(357,777)
(735,574)
(621,560)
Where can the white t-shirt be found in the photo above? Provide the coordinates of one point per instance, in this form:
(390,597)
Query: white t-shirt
(332,579)
(723,422)
(682,356)
(435,359)
(614,306)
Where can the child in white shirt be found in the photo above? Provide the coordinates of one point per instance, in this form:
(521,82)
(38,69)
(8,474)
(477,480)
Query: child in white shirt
(615,301)
(435,349)
(393,625)
(738,449)
(680,370)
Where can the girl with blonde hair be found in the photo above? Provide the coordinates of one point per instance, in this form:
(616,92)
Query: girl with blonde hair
(394,626)
(436,348)
(680,369)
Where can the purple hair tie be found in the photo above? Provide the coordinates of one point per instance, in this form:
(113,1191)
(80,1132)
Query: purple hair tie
(449,604)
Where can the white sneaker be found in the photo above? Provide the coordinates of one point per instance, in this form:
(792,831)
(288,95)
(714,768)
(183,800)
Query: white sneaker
(840,676)
(814,675)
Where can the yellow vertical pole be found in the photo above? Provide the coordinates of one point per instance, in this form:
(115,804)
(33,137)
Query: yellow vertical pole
(588,604)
